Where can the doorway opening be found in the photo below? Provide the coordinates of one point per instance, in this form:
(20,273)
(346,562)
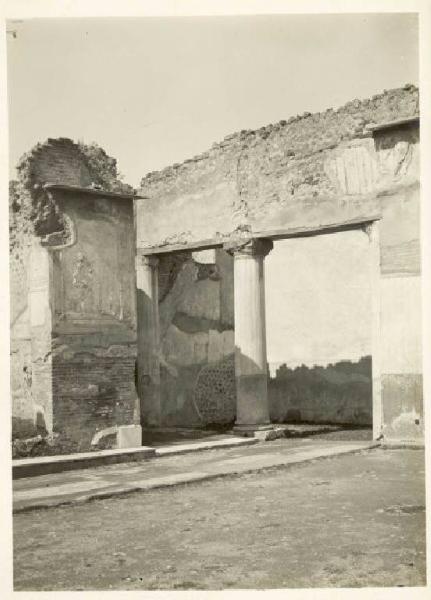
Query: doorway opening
(319,322)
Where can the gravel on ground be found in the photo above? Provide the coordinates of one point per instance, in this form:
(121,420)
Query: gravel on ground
(349,521)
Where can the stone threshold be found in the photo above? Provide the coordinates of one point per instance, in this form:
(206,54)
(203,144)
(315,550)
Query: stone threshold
(44,465)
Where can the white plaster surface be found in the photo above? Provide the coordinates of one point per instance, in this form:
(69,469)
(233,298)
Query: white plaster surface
(39,302)
(401,325)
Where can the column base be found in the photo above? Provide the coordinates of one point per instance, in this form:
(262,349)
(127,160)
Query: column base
(262,432)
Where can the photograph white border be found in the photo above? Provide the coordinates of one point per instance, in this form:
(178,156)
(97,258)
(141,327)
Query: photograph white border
(25,9)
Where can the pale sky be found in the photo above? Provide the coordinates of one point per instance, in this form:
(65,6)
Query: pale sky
(153,91)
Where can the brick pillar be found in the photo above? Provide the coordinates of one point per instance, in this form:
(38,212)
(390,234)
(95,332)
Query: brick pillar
(250,336)
(148,339)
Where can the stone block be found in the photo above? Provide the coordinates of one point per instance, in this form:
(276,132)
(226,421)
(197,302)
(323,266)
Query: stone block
(264,433)
(129,436)
(270,434)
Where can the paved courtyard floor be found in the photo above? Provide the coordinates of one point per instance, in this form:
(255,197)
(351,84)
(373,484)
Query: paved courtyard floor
(346,521)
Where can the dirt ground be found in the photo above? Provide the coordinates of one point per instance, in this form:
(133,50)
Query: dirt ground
(349,521)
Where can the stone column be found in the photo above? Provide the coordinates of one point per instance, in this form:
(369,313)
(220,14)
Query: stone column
(250,336)
(148,366)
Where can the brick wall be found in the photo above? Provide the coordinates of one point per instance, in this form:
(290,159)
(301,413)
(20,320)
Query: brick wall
(90,394)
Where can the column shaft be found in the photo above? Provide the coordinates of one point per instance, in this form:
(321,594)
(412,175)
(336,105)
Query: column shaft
(250,336)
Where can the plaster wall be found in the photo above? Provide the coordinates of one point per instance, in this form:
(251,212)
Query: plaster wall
(24,410)
(197,342)
(401,350)
(24,419)
(31,360)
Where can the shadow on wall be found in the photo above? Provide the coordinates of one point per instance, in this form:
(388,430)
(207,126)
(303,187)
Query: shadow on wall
(337,393)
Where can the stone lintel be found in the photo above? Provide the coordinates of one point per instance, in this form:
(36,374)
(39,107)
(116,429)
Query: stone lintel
(92,191)
(196,246)
(147,260)
(272,234)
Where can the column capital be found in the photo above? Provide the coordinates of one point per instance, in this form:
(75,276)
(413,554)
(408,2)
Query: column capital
(147,260)
(251,247)
(372,230)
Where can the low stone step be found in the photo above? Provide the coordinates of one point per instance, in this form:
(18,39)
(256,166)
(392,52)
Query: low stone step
(42,465)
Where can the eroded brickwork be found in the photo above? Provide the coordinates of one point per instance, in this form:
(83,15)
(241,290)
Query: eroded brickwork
(92,393)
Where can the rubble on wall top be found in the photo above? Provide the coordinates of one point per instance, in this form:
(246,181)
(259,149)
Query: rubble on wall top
(58,160)
(311,132)
(61,163)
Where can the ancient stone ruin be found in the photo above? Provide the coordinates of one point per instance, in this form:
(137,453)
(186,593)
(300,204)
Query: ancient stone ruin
(136,309)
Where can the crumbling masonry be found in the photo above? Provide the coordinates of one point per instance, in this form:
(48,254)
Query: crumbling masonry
(147,309)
